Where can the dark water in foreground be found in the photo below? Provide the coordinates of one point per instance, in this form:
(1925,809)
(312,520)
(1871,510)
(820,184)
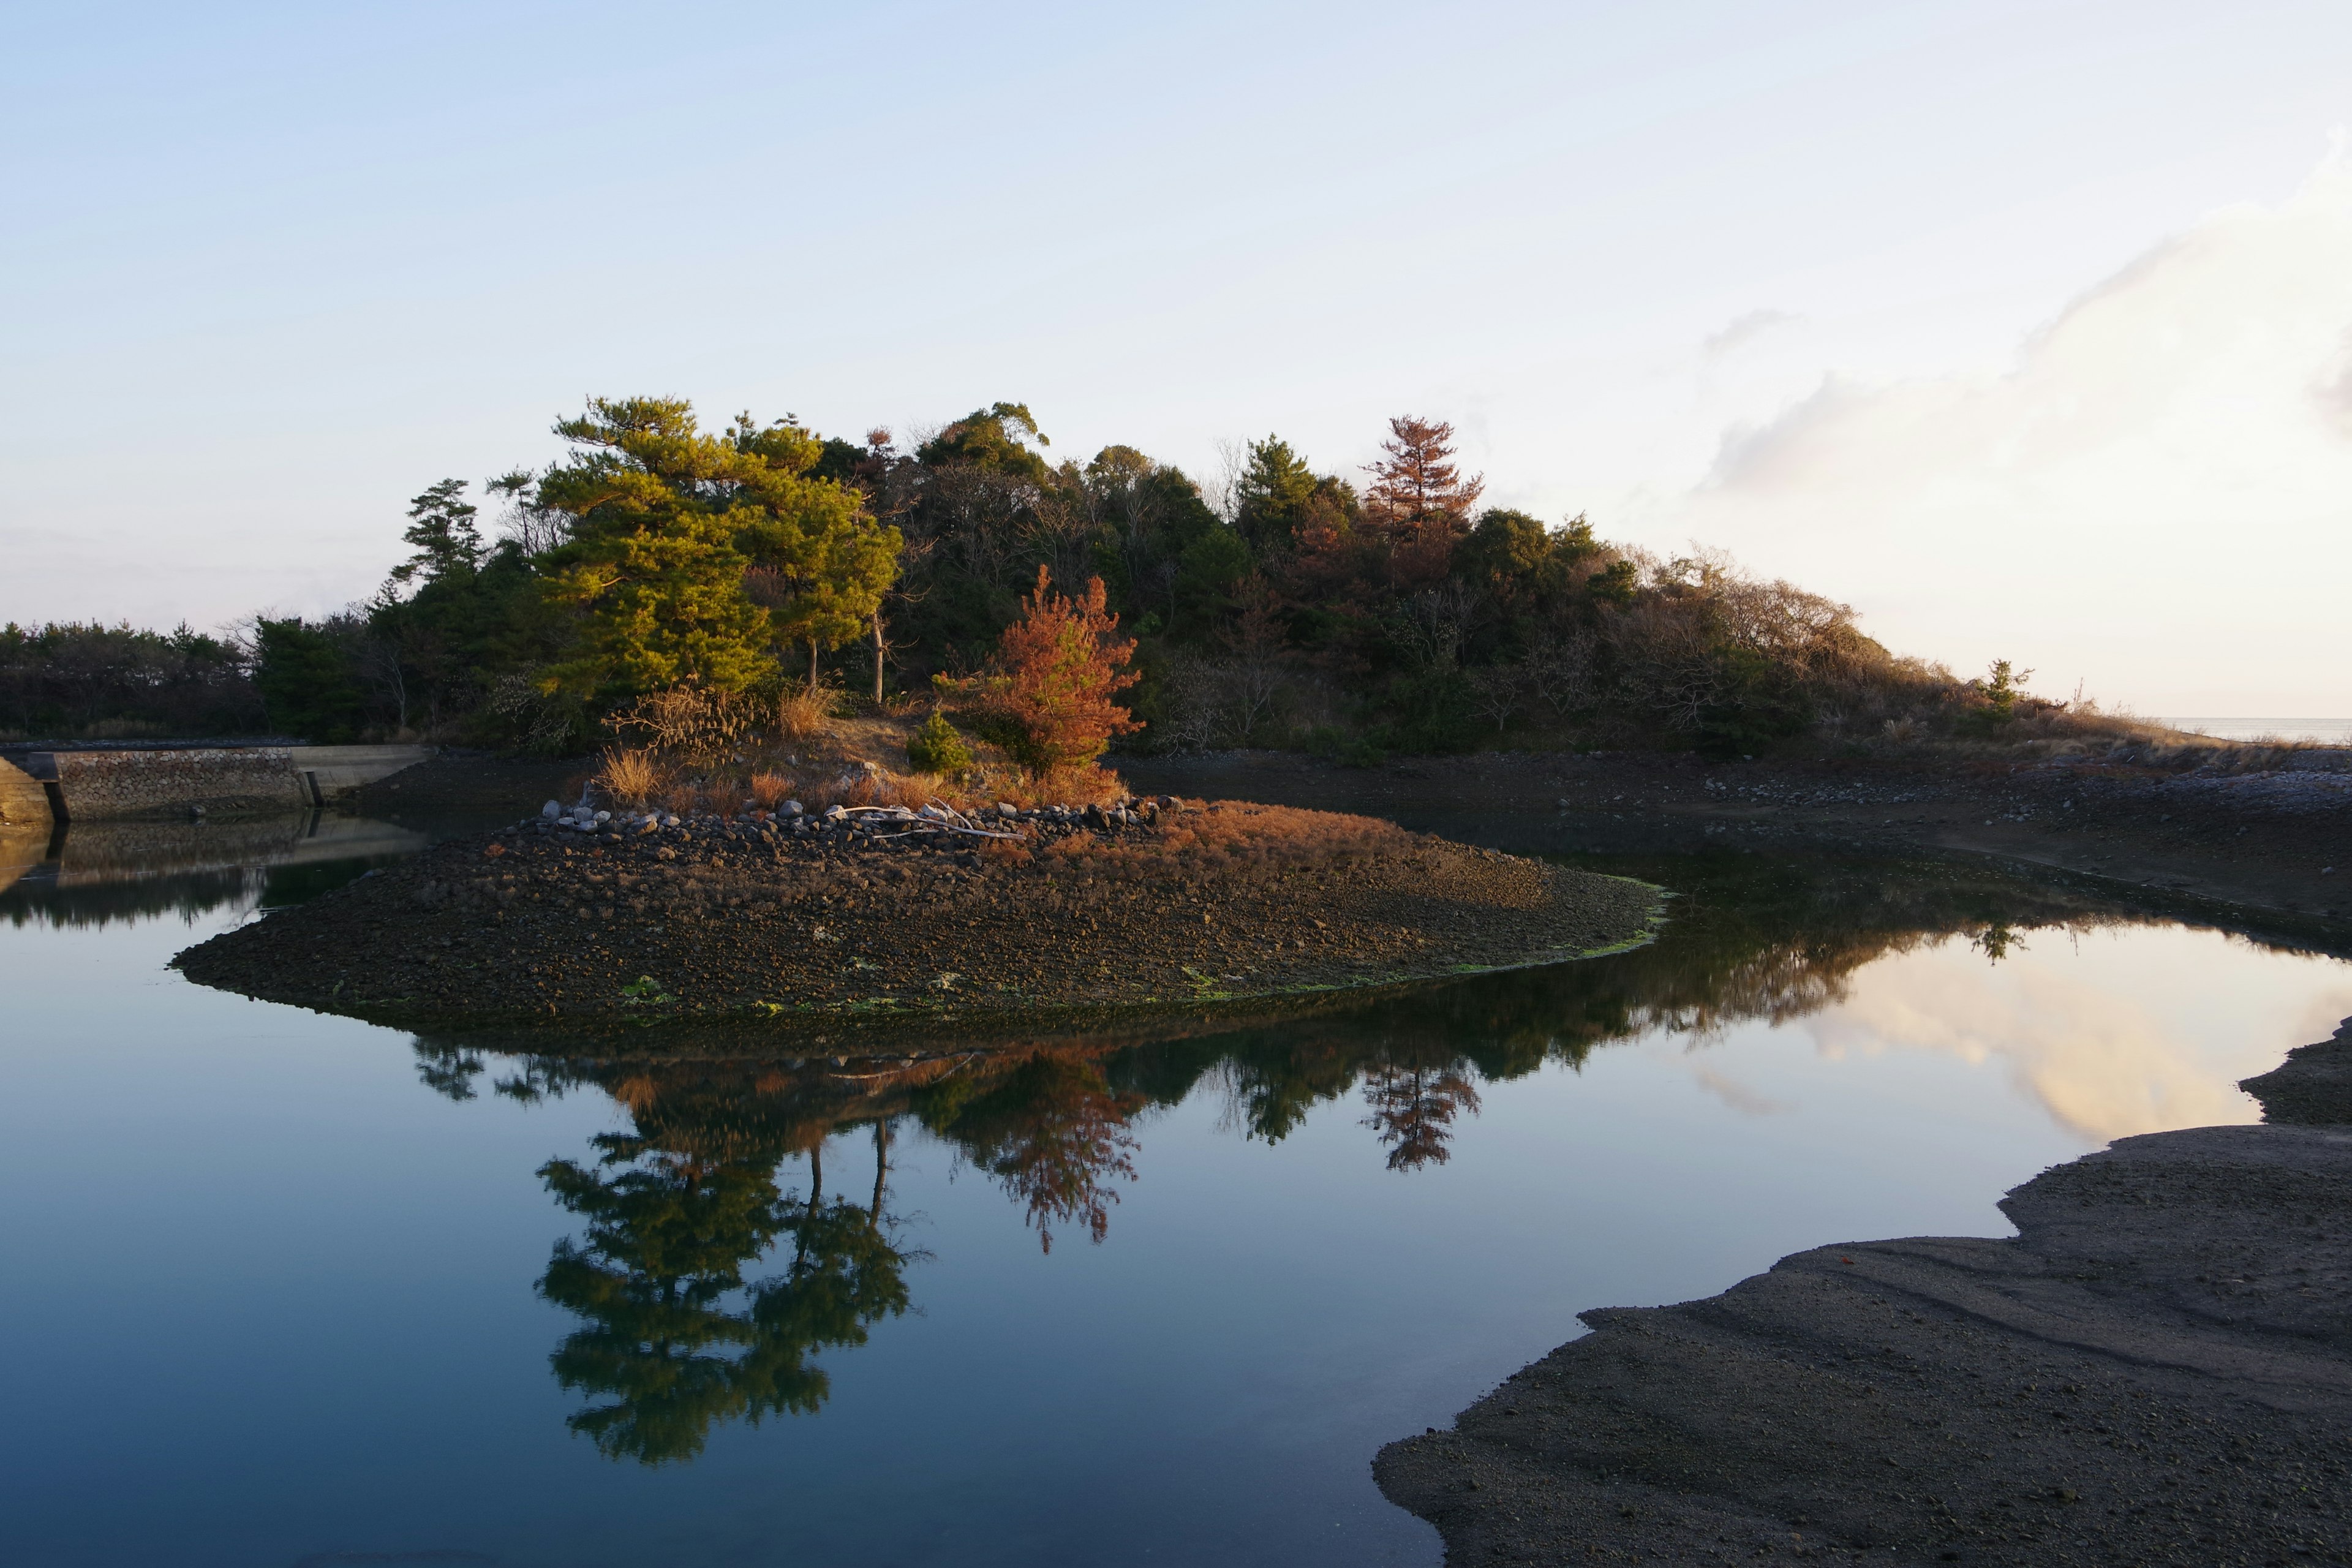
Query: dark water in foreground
(283,1289)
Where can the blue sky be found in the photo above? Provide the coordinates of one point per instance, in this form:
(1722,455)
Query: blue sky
(1802,281)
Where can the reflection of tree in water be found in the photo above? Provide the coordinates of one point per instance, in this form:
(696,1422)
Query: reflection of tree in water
(1413,1104)
(1052,1131)
(676,1339)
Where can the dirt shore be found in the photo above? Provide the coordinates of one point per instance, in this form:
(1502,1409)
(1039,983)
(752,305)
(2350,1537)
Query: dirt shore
(2157,1371)
(874,915)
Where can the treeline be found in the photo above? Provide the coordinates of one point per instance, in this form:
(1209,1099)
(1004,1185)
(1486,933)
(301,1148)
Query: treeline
(93,680)
(1290,607)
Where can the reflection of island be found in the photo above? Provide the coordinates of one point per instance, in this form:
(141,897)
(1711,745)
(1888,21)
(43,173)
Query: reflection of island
(685,1325)
(1750,939)
(100,872)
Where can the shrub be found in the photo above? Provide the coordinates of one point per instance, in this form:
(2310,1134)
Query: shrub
(688,722)
(936,748)
(1056,675)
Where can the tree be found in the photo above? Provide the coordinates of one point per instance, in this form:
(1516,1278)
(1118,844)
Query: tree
(665,522)
(1270,498)
(307,682)
(832,560)
(442,531)
(1056,675)
(990,437)
(1418,496)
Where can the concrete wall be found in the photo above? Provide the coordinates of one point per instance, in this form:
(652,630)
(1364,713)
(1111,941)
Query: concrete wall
(338,770)
(114,783)
(24,804)
(98,786)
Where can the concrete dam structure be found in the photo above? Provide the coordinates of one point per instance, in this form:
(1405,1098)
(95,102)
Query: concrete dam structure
(110,783)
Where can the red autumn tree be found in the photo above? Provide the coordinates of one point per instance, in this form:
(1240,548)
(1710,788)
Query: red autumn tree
(1419,499)
(1057,671)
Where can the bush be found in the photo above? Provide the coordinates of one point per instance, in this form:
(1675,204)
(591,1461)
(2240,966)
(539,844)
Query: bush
(936,748)
(1056,674)
(689,722)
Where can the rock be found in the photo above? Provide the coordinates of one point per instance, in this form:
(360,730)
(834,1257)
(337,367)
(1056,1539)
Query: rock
(550,811)
(603,816)
(1007,810)
(794,808)
(834,814)
(1167,802)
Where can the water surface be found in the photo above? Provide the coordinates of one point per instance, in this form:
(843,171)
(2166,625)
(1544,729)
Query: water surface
(290,1289)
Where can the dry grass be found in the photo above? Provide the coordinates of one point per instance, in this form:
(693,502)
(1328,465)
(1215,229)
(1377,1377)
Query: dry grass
(688,723)
(805,713)
(629,777)
(1223,837)
(820,758)
(2082,732)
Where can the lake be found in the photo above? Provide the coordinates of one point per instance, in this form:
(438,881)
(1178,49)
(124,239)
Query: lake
(285,1289)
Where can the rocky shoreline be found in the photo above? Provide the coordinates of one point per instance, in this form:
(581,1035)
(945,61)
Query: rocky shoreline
(887,913)
(2157,1370)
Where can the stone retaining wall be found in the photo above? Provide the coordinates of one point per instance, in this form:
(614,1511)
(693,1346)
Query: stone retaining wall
(97,785)
(24,804)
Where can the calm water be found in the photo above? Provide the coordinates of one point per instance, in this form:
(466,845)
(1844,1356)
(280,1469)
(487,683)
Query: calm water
(284,1289)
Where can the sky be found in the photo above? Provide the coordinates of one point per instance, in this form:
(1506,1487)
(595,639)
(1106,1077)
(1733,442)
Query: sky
(2025,328)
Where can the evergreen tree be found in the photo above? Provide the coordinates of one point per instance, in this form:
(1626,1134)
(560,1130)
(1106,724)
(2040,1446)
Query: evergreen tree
(442,531)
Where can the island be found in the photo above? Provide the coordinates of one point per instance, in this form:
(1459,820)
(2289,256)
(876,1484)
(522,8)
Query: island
(929,912)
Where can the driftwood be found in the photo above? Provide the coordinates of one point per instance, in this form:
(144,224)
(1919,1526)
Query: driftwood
(948,820)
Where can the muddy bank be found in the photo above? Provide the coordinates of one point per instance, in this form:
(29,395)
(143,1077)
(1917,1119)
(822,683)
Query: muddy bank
(2277,846)
(872,915)
(2157,1371)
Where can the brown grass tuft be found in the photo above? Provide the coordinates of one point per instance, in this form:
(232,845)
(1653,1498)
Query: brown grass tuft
(630,777)
(805,713)
(771,790)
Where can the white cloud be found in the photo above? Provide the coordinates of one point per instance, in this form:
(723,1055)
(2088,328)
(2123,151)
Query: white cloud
(2156,496)
(1741,331)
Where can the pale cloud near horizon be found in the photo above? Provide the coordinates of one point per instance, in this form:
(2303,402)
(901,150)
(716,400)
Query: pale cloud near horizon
(2155,498)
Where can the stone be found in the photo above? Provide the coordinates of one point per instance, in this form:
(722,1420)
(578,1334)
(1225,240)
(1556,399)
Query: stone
(834,814)
(1007,810)
(603,816)
(794,808)
(550,811)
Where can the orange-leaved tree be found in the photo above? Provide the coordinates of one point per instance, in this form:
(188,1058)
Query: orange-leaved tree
(1058,671)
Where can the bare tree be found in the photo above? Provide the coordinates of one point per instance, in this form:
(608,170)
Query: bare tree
(1498,690)
(1563,671)
(1258,664)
